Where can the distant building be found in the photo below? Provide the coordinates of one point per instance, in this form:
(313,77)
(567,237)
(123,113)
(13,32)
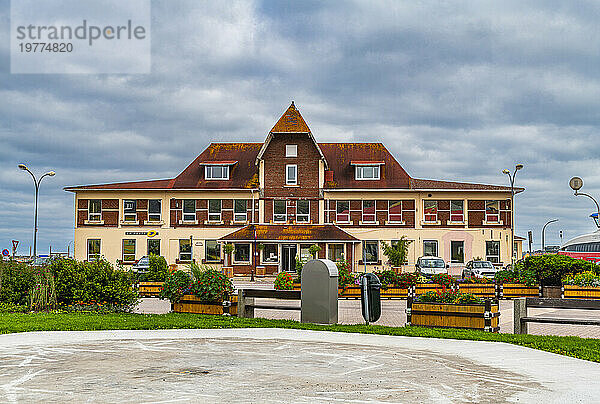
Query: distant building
(282,196)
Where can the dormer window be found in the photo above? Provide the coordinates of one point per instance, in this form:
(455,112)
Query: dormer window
(367,170)
(216,172)
(291,150)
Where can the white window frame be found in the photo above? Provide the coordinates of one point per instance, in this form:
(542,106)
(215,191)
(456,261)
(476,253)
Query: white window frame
(363,256)
(303,215)
(95,256)
(189,214)
(155,217)
(463,252)
(336,212)
(213,216)
(395,214)
(359,173)
(288,179)
(94,216)
(209,173)
(235,261)
(329,257)
(279,214)
(130,217)
(462,214)
(239,216)
(437,209)
(437,248)
(123,249)
(218,248)
(291,150)
(264,260)
(363,211)
(494,259)
(493,214)
(191,253)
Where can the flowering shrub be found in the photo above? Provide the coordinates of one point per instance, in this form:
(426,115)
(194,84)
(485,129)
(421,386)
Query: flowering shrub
(523,276)
(475,279)
(449,296)
(443,279)
(284,281)
(387,278)
(176,285)
(345,275)
(393,279)
(587,278)
(211,286)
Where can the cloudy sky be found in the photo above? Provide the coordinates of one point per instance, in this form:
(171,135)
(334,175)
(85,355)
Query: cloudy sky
(457,91)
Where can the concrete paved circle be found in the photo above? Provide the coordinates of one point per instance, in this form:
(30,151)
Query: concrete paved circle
(272,365)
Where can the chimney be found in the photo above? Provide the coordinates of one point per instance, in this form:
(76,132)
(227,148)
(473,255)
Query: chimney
(328,176)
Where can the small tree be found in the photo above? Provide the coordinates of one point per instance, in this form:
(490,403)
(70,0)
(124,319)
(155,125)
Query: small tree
(397,252)
(314,250)
(228,249)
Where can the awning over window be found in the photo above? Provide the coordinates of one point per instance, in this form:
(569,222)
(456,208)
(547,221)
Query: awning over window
(300,232)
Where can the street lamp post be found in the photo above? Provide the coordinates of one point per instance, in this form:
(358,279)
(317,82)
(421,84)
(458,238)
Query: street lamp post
(36,183)
(512,210)
(576,183)
(544,232)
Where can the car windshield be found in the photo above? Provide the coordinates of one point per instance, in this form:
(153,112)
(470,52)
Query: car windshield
(432,263)
(143,261)
(483,264)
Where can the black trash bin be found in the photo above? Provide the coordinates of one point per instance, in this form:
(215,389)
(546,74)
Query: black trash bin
(370,297)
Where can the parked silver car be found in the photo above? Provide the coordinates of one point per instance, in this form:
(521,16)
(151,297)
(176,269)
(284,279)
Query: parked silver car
(429,266)
(142,265)
(479,269)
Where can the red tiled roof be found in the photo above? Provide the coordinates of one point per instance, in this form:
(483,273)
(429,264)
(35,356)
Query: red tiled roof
(300,232)
(341,155)
(416,183)
(152,184)
(291,122)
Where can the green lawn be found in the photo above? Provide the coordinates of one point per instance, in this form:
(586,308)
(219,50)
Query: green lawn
(583,348)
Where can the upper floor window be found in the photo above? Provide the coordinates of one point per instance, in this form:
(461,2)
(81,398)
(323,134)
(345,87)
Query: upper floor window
(154,210)
(342,211)
(492,211)
(367,172)
(95,210)
(216,172)
(291,174)
(430,210)
(129,210)
(214,210)
(395,211)
(189,210)
(240,210)
(303,211)
(457,213)
(368,211)
(279,211)
(291,150)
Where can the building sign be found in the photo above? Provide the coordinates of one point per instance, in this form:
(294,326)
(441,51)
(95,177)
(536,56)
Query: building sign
(150,233)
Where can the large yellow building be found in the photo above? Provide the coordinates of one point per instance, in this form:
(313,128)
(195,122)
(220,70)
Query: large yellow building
(273,200)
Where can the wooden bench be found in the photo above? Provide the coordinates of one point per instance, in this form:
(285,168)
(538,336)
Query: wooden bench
(246,302)
(522,304)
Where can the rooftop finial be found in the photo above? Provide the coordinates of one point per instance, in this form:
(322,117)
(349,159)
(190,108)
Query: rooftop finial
(293,104)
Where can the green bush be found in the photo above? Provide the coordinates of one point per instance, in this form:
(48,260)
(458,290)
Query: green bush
(176,285)
(550,269)
(42,295)
(13,308)
(157,270)
(284,281)
(397,253)
(16,279)
(387,278)
(449,296)
(212,286)
(518,275)
(477,279)
(95,281)
(587,278)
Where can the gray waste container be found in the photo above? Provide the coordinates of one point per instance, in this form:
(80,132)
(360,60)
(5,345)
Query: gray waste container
(319,288)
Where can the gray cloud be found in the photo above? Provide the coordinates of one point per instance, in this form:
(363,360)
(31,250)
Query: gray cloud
(457,91)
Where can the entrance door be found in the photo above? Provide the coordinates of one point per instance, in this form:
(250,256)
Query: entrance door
(288,257)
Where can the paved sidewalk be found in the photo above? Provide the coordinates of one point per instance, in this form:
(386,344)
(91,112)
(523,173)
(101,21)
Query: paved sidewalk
(274,365)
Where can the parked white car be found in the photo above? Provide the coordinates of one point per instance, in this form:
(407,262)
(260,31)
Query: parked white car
(479,269)
(429,266)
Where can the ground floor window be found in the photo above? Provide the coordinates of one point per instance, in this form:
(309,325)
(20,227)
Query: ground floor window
(212,251)
(430,248)
(457,251)
(492,251)
(93,249)
(128,250)
(241,253)
(153,246)
(305,253)
(185,249)
(335,252)
(371,252)
(270,253)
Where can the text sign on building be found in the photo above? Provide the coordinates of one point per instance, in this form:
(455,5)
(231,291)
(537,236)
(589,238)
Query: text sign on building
(150,233)
(75,36)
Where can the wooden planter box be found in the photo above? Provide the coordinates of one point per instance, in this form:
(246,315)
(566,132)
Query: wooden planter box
(228,271)
(422,288)
(150,289)
(580,292)
(351,292)
(512,290)
(483,290)
(395,293)
(192,304)
(447,315)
